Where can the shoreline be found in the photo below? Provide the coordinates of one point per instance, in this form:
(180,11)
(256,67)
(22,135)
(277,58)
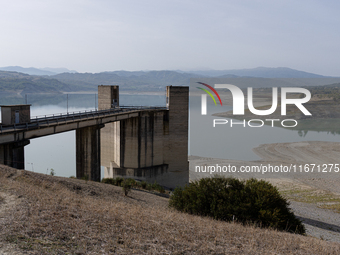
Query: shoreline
(277,154)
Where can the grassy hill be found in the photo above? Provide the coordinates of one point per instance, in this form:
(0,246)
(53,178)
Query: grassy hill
(42,214)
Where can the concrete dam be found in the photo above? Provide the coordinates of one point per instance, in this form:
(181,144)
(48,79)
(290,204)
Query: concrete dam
(143,143)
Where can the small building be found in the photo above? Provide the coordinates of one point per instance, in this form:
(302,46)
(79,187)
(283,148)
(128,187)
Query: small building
(15,114)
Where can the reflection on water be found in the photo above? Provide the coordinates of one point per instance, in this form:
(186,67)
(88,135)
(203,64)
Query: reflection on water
(330,126)
(237,142)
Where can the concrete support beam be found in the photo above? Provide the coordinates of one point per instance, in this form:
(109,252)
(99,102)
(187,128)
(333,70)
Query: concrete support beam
(176,136)
(88,152)
(108,97)
(13,154)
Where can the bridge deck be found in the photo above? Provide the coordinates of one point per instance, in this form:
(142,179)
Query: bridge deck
(47,125)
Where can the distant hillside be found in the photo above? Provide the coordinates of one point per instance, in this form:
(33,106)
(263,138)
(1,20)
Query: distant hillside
(258,82)
(36,71)
(29,70)
(263,72)
(58,70)
(153,80)
(24,83)
(146,81)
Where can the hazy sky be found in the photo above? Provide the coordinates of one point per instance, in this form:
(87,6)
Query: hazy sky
(108,35)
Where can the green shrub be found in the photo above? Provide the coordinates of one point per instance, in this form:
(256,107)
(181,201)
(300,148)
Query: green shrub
(148,186)
(119,181)
(85,177)
(252,201)
(126,184)
(156,186)
(143,184)
(131,181)
(111,181)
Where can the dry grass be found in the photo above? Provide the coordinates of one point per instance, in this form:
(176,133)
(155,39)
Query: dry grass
(67,216)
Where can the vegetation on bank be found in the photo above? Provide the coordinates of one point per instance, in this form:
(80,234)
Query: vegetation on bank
(249,202)
(129,183)
(331,91)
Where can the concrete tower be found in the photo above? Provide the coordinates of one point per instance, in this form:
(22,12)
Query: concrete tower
(150,147)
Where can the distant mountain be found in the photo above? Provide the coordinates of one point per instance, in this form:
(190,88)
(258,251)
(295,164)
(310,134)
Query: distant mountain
(127,73)
(24,83)
(258,82)
(142,81)
(36,71)
(262,72)
(157,80)
(58,70)
(29,70)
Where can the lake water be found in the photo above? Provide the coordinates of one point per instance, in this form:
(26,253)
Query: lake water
(58,151)
(237,142)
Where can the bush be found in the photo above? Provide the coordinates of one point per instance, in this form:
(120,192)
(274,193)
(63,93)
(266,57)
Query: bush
(85,177)
(131,181)
(126,184)
(119,181)
(252,201)
(143,184)
(111,181)
(158,187)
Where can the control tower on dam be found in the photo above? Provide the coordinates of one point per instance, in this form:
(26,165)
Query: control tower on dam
(152,146)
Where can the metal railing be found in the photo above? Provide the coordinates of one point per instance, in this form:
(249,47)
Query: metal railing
(63,118)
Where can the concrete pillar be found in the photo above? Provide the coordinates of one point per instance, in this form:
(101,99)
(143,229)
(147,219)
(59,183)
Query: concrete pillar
(88,152)
(176,136)
(108,98)
(13,154)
